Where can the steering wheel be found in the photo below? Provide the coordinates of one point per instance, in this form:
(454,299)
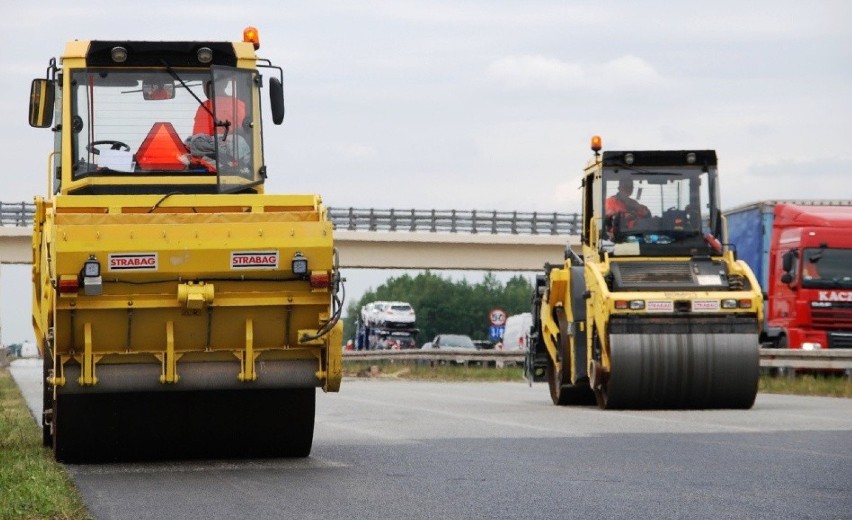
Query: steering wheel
(115,145)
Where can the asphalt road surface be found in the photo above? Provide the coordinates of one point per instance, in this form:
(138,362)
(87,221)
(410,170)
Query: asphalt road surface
(401,449)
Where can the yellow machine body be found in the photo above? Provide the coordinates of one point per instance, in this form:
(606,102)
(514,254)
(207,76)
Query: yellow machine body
(164,277)
(656,315)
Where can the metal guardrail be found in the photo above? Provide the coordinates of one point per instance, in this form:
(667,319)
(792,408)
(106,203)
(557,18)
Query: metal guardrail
(833,358)
(411,220)
(839,359)
(434,355)
(456,221)
(18,214)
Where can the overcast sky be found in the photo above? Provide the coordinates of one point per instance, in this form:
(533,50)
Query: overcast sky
(485,104)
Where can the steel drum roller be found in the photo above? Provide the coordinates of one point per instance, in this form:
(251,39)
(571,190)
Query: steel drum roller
(683,370)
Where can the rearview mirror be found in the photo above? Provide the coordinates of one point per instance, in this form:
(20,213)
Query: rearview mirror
(42,97)
(276,100)
(787,260)
(153,90)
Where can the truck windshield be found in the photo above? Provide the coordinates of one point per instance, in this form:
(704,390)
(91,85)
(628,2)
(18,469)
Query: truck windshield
(144,123)
(825,267)
(667,210)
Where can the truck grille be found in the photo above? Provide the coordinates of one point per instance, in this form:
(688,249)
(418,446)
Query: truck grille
(839,340)
(838,316)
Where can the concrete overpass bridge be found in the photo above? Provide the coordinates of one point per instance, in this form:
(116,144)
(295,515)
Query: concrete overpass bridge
(398,239)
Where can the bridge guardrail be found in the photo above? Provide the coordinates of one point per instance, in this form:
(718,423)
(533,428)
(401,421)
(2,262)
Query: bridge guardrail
(18,214)
(412,220)
(840,359)
(456,221)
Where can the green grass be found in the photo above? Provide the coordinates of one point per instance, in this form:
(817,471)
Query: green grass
(32,485)
(831,385)
(423,371)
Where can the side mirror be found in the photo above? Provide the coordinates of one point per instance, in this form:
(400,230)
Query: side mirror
(787,278)
(276,100)
(788,259)
(42,97)
(154,90)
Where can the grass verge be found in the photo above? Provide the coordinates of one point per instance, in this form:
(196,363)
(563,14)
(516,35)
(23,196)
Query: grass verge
(830,385)
(827,384)
(32,485)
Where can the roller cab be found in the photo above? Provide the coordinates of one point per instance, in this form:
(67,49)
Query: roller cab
(653,312)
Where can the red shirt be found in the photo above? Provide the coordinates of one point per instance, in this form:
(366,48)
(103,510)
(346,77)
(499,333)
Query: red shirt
(225,107)
(629,208)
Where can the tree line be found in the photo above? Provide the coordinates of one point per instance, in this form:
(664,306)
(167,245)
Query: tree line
(444,306)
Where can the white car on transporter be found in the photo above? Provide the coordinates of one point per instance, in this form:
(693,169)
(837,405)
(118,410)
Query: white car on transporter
(395,314)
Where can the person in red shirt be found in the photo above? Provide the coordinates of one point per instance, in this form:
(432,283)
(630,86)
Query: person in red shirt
(228,108)
(624,205)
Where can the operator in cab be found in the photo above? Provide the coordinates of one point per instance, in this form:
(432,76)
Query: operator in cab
(228,108)
(623,204)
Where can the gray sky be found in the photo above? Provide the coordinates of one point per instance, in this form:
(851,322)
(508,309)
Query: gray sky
(486,104)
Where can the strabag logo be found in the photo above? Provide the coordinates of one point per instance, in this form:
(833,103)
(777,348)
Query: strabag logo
(660,306)
(132,262)
(254,260)
(705,305)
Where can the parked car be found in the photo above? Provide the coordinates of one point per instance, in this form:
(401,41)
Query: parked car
(484,344)
(452,342)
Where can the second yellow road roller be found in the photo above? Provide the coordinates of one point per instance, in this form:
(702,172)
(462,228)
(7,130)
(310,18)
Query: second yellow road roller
(653,309)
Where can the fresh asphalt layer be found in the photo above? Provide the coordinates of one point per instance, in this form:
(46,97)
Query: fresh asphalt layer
(410,449)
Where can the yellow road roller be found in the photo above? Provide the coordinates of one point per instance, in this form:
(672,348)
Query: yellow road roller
(653,309)
(180,310)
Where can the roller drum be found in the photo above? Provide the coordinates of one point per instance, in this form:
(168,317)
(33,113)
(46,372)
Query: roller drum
(210,424)
(683,370)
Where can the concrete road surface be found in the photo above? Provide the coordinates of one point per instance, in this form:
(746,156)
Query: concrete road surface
(398,449)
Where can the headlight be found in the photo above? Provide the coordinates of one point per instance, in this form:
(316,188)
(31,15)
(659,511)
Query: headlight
(299,264)
(92,267)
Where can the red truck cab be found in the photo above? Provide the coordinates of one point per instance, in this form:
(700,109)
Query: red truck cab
(809,285)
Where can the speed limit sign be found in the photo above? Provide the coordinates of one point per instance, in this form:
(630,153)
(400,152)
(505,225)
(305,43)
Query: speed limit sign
(497,317)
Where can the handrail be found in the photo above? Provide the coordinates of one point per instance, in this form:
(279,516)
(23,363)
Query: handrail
(456,221)
(401,220)
(18,214)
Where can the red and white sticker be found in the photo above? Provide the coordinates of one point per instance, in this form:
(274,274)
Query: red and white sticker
(254,260)
(132,262)
(705,305)
(660,306)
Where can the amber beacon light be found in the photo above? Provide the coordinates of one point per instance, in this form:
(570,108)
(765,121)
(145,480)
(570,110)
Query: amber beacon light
(596,143)
(250,35)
